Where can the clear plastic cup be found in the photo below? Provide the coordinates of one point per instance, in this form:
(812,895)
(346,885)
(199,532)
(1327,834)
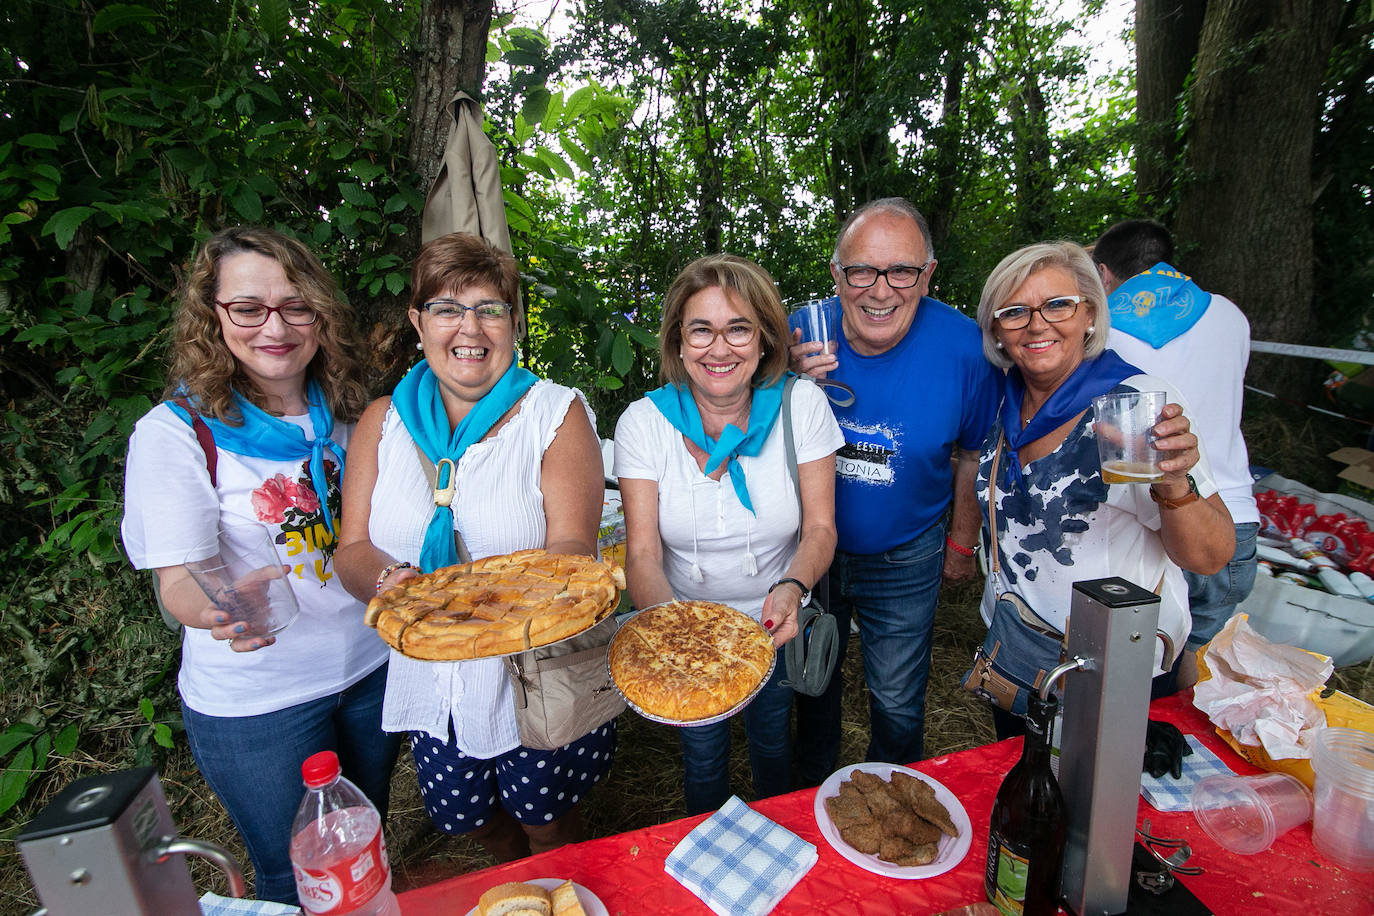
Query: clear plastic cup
(1245,814)
(819,320)
(1124,424)
(239,570)
(1343,822)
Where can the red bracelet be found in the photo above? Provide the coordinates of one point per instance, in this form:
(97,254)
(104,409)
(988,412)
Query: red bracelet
(960,549)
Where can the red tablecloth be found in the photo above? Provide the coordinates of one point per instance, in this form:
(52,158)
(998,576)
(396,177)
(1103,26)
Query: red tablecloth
(626,870)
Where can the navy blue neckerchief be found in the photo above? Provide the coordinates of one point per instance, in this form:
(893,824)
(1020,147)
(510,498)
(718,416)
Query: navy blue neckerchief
(1093,377)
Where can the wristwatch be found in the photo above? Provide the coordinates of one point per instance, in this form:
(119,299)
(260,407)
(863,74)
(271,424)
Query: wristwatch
(1191,496)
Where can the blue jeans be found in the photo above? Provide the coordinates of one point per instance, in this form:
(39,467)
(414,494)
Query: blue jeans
(893,597)
(706,749)
(1213,599)
(253,764)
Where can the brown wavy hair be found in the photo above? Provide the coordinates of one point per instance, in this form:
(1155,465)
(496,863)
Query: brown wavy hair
(750,284)
(203,367)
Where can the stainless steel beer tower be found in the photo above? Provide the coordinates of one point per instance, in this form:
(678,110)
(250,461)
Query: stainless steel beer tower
(107,845)
(1111,635)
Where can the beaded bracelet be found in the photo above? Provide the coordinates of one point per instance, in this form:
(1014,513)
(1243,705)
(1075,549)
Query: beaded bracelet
(391,569)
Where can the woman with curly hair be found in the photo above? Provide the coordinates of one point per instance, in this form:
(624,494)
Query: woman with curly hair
(265,386)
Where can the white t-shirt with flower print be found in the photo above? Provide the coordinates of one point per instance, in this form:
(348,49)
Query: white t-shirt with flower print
(171,510)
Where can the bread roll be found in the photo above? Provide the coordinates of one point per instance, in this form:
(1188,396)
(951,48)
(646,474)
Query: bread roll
(515,899)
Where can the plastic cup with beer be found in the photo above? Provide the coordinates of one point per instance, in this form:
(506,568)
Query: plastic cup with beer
(239,570)
(1124,424)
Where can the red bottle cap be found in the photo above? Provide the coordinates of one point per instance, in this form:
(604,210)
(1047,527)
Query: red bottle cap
(320,769)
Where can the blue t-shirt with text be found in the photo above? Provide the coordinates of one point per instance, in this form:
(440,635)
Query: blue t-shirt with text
(912,405)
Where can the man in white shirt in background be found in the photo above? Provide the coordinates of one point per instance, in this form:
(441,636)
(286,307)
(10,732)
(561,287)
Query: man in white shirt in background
(1200,342)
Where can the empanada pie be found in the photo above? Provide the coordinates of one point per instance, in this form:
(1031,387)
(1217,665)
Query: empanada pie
(685,661)
(496,606)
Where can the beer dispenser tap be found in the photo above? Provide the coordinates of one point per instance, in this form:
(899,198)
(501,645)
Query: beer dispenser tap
(1111,638)
(107,844)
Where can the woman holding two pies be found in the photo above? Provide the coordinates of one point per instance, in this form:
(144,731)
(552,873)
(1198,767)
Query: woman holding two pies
(711,511)
(527,474)
(265,386)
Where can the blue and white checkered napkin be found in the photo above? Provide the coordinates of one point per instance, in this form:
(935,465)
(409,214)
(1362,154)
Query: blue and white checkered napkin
(1164,793)
(215,905)
(739,862)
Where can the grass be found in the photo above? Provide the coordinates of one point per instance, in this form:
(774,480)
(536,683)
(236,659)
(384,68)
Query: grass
(644,786)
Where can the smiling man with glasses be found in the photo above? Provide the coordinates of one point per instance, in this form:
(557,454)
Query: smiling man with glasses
(924,397)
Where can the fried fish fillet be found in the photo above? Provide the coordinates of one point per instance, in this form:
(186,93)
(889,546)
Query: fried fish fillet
(921,796)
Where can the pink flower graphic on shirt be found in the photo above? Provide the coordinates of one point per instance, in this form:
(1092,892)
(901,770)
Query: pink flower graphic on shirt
(279,493)
(270,501)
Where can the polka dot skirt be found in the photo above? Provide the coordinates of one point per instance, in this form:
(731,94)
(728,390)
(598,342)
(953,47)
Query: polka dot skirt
(536,787)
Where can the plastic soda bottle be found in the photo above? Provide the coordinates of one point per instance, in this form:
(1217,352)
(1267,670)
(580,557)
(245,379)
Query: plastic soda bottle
(337,850)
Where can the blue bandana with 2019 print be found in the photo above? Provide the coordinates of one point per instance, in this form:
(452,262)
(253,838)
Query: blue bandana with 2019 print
(1157,305)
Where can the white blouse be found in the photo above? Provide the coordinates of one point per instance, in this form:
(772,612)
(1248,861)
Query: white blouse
(499,508)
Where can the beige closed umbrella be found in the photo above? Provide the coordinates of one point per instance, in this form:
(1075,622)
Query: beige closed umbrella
(466,194)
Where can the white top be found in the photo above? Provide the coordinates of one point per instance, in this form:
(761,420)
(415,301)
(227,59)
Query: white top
(499,508)
(1207,363)
(702,522)
(170,509)
(1058,533)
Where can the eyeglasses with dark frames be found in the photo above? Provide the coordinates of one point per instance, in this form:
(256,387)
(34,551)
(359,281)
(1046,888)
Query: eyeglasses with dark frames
(1054,310)
(249,313)
(701,336)
(899,276)
(451,311)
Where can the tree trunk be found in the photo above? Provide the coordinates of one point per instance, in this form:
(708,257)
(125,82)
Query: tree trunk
(1244,218)
(1166,37)
(449,54)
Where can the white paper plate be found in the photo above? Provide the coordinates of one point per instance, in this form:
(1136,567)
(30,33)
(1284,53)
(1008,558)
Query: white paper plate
(952,849)
(589,901)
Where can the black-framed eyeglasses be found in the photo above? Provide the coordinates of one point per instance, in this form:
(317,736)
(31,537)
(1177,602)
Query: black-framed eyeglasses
(1015,317)
(899,276)
(701,336)
(451,311)
(248,313)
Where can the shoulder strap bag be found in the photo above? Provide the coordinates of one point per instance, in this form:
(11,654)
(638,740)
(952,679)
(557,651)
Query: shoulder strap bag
(812,654)
(562,691)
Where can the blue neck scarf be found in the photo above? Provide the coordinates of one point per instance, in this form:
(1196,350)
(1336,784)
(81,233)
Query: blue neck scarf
(678,406)
(1157,305)
(1092,378)
(265,436)
(421,407)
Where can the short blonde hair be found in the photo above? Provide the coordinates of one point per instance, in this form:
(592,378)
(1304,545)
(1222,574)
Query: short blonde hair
(203,367)
(745,282)
(1014,270)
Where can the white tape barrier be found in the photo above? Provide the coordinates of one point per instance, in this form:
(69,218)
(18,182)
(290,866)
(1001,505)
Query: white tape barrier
(1364,357)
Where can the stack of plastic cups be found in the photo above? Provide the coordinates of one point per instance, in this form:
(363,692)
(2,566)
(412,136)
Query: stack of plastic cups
(1343,819)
